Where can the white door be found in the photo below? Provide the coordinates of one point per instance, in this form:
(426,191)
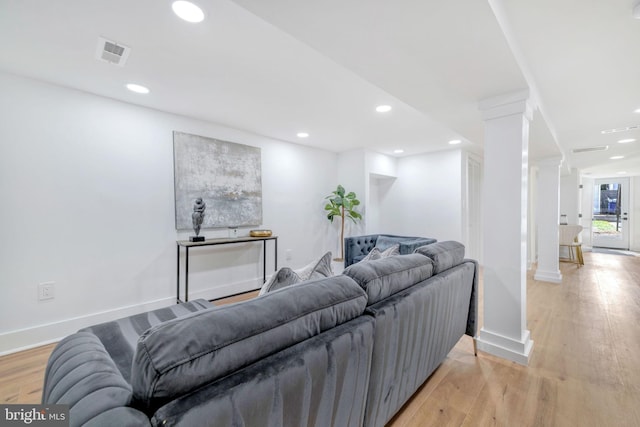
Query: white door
(610,219)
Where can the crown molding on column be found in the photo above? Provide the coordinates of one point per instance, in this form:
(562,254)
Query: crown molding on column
(555,161)
(508,104)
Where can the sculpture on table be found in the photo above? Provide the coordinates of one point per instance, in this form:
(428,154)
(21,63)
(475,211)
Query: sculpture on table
(197,217)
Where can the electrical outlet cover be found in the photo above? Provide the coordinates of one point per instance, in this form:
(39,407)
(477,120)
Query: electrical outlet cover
(46,291)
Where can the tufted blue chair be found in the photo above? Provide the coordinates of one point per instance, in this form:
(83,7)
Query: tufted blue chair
(357,247)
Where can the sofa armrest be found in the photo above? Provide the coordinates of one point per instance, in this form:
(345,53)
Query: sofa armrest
(80,373)
(472,318)
(121,417)
(408,246)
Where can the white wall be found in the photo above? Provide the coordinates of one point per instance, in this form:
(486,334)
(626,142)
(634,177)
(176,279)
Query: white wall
(86,186)
(352,176)
(586,209)
(569,198)
(634,214)
(379,189)
(532,219)
(381,171)
(381,165)
(472,182)
(426,198)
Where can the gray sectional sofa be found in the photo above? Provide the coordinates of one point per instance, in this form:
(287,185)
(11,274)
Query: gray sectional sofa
(347,350)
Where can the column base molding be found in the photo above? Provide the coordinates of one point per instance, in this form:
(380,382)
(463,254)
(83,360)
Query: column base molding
(548,276)
(498,345)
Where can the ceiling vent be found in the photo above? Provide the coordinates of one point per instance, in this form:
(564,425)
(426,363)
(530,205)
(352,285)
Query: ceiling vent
(590,149)
(624,129)
(112,52)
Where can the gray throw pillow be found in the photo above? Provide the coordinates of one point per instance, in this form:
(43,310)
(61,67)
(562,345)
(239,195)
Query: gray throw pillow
(286,276)
(283,277)
(317,269)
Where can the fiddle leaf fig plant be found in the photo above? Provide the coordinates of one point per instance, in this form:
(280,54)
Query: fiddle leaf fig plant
(342,204)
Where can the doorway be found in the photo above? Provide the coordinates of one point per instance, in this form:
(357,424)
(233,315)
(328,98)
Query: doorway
(610,218)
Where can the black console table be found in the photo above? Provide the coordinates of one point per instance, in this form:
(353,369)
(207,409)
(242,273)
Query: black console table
(186,244)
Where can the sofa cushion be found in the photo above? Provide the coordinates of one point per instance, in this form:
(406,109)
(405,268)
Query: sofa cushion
(387,276)
(182,355)
(443,254)
(319,382)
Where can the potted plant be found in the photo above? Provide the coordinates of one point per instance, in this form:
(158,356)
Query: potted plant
(342,204)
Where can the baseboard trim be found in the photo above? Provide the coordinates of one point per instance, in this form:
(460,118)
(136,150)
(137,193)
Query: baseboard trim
(548,276)
(226,291)
(518,351)
(36,336)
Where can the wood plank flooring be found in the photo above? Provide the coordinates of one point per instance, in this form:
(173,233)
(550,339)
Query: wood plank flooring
(584,370)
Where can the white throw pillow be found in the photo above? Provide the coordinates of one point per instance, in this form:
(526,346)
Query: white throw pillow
(391,251)
(376,254)
(373,255)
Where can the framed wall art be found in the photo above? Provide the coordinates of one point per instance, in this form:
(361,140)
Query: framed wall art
(226,175)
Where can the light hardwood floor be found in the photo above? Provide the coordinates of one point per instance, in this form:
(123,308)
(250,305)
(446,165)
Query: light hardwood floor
(584,370)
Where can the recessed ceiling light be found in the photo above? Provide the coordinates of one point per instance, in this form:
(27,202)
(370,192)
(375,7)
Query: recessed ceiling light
(137,88)
(637,110)
(455,142)
(616,157)
(622,172)
(187,11)
(625,141)
(383,108)
(302,135)
(398,151)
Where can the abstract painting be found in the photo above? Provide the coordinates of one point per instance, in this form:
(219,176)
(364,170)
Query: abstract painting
(226,175)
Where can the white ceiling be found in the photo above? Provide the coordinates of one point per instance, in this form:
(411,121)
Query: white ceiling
(282,66)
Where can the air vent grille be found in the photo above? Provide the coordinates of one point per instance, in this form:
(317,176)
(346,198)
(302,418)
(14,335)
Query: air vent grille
(617,130)
(590,149)
(112,52)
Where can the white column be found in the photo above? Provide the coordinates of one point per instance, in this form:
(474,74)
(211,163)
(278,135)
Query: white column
(504,333)
(548,217)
